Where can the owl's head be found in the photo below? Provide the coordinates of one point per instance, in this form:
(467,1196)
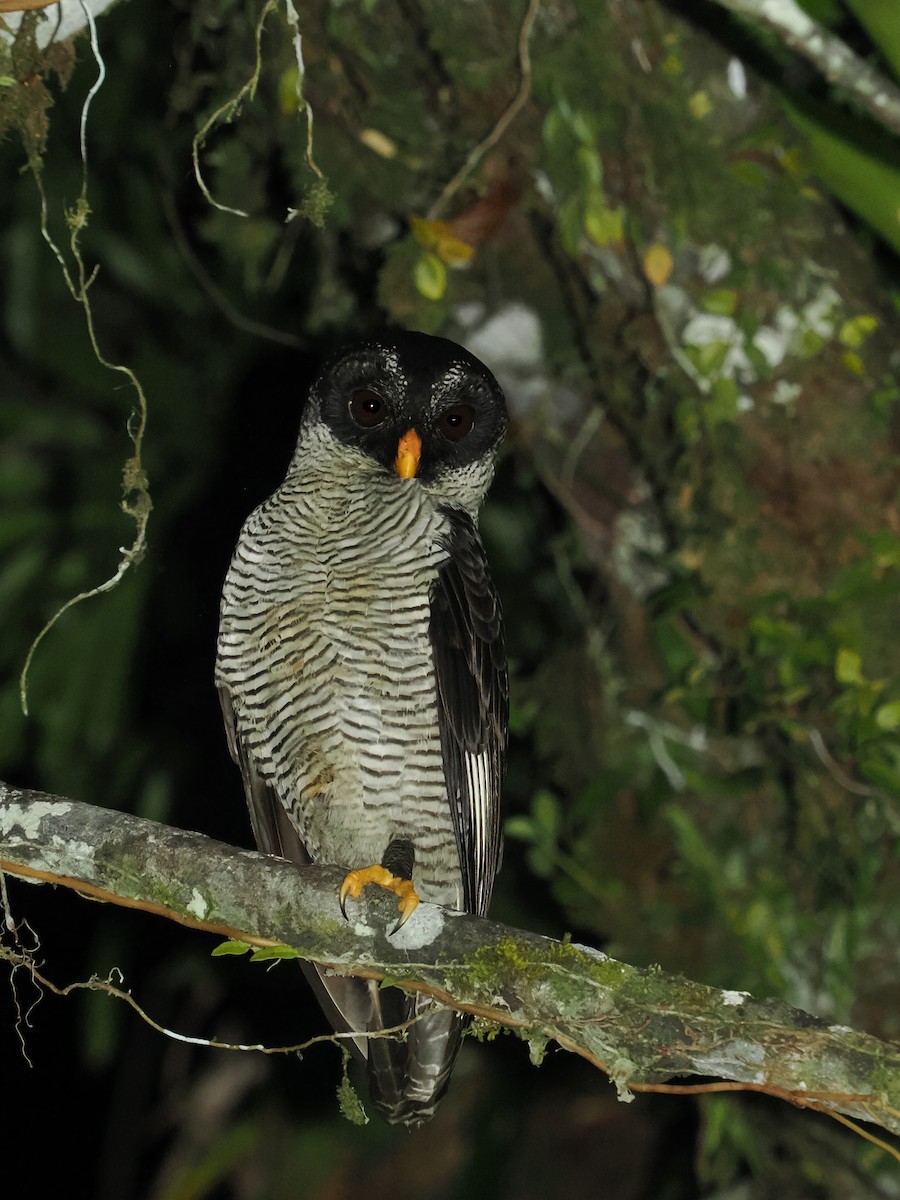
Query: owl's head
(420,408)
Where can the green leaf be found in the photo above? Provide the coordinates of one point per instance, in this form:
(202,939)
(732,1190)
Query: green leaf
(602,223)
(866,182)
(854,331)
(264,953)
(887,716)
(591,165)
(545,807)
(721,301)
(881,20)
(542,862)
(848,666)
(520,828)
(232,946)
(826,12)
(430,276)
(722,404)
(709,357)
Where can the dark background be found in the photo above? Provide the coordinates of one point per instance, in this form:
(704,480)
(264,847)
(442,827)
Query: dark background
(699,567)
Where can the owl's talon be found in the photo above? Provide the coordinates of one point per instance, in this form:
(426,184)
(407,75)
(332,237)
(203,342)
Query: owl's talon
(355,881)
(409,902)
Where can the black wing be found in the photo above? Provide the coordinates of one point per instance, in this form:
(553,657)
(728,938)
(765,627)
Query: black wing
(473,703)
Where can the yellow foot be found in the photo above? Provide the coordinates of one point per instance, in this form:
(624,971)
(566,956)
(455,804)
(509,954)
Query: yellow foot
(402,888)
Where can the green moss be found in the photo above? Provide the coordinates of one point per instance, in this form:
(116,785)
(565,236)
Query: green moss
(490,968)
(25,99)
(348,1100)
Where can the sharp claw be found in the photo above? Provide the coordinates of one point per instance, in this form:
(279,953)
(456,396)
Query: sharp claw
(409,902)
(342,896)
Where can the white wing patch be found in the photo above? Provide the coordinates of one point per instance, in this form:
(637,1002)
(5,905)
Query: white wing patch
(481,801)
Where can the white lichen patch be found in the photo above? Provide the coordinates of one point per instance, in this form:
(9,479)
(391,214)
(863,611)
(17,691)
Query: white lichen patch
(717,347)
(598,954)
(731,1058)
(734,998)
(737,79)
(198,905)
(713,262)
(28,817)
(785,393)
(619,1073)
(81,853)
(423,927)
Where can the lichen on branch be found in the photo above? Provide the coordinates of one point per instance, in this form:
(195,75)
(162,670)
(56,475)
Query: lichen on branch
(641,1026)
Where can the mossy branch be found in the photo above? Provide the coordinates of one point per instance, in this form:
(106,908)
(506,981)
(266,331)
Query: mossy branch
(641,1026)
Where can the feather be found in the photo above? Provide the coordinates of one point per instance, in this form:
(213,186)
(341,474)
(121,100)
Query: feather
(473,703)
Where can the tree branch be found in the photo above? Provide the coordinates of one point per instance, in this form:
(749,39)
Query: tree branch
(829,54)
(640,1026)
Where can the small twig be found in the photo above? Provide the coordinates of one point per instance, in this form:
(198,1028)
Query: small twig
(834,768)
(863,1133)
(816,1101)
(511,112)
(829,54)
(94,984)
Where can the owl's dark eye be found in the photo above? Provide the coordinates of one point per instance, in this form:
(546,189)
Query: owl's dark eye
(456,422)
(367,408)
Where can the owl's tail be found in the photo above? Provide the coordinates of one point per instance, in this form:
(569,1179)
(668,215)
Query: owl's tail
(409,1067)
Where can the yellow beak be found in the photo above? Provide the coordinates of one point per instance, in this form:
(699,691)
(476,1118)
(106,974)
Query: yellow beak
(409,451)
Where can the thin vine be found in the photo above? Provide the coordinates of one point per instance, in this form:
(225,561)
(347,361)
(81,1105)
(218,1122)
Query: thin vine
(136,502)
(227,112)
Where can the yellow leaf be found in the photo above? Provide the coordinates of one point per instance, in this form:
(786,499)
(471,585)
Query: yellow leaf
(854,331)
(700,105)
(658,264)
(378,142)
(439,237)
(423,231)
(453,250)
